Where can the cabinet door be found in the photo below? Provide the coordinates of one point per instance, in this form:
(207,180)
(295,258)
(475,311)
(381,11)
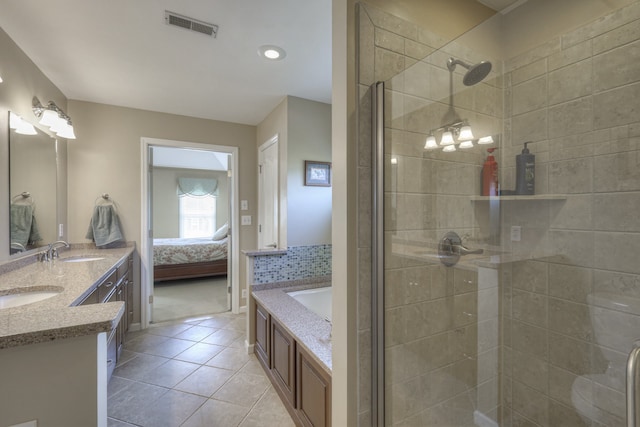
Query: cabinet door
(314,392)
(283,361)
(262,336)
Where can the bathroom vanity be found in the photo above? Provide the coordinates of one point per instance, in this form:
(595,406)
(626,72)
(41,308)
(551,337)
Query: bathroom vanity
(293,346)
(56,354)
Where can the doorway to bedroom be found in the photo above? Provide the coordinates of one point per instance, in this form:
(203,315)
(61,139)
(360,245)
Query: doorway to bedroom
(189,204)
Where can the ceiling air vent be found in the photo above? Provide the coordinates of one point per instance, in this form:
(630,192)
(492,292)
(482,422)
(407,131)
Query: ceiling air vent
(172,18)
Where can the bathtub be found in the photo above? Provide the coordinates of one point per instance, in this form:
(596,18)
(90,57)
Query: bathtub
(317,300)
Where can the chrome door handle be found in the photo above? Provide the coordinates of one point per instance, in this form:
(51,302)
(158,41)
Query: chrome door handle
(632,376)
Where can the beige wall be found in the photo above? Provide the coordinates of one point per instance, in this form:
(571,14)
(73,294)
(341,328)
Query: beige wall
(166,204)
(304,133)
(106,158)
(308,138)
(22,81)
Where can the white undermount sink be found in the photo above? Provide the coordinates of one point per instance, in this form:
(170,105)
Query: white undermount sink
(82,259)
(23,298)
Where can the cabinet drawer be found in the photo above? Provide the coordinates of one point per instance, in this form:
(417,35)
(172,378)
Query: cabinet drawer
(122,269)
(91,299)
(107,286)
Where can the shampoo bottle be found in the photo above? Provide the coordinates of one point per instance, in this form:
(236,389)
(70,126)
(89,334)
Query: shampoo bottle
(490,175)
(525,172)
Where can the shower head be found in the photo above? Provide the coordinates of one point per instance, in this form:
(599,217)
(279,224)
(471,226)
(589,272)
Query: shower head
(476,72)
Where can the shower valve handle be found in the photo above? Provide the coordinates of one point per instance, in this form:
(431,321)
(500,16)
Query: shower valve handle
(451,249)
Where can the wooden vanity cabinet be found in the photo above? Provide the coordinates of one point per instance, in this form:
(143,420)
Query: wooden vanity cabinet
(303,385)
(117,286)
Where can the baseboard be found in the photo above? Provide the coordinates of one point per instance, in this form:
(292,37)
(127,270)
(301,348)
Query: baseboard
(249,347)
(242,309)
(135,327)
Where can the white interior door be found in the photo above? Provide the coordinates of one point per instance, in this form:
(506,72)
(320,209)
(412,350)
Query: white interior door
(268,195)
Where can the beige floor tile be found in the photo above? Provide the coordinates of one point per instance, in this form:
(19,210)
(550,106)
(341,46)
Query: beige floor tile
(168,330)
(111,422)
(195,333)
(170,410)
(125,404)
(169,374)
(170,348)
(229,358)
(199,353)
(215,413)
(243,389)
(269,411)
(223,337)
(137,367)
(253,367)
(144,342)
(217,322)
(205,381)
(126,356)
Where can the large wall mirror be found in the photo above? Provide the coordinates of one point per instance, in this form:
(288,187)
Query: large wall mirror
(33,190)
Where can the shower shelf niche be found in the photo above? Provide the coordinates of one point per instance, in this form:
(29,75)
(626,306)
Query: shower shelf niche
(536,197)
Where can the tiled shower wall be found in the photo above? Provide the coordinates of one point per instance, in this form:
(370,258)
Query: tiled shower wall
(577,96)
(441,344)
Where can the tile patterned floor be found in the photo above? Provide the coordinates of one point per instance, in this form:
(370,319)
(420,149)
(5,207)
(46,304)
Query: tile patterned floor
(192,373)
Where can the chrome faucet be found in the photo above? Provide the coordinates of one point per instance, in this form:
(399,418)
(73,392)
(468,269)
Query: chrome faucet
(52,250)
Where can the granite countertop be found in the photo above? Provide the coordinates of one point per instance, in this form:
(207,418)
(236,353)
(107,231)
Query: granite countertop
(310,330)
(57,317)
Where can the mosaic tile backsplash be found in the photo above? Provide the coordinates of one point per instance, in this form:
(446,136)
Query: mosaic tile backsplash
(300,262)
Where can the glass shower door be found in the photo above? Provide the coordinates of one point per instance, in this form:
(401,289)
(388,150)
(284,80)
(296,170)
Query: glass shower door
(536,330)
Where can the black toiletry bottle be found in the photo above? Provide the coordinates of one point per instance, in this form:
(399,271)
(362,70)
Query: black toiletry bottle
(525,172)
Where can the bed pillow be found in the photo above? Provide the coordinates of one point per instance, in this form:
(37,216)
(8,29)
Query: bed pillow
(222,232)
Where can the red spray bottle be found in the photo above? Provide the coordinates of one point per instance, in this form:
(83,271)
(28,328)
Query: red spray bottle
(490,175)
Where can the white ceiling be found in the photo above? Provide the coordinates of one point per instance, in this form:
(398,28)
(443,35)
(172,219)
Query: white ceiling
(121,52)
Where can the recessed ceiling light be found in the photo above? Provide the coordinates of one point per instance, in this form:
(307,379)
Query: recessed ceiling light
(271,52)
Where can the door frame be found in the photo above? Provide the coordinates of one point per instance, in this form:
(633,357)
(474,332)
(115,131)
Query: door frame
(146,256)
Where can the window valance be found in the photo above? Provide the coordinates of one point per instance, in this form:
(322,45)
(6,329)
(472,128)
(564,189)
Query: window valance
(197,186)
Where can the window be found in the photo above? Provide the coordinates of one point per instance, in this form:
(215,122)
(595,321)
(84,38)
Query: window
(197,216)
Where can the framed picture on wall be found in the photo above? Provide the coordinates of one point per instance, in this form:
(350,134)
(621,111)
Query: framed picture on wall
(317,174)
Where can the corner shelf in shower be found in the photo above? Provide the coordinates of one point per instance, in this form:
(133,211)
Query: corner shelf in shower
(536,197)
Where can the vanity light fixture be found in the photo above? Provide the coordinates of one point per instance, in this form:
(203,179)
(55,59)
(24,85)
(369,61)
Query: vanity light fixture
(457,133)
(271,52)
(486,140)
(466,144)
(54,118)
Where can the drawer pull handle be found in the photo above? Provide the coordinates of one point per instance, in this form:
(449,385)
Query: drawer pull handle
(109,284)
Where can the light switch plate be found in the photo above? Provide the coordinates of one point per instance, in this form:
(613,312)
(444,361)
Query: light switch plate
(244,205)
(516,233)
(245,220)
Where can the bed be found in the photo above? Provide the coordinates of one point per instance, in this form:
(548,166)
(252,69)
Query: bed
(175,259)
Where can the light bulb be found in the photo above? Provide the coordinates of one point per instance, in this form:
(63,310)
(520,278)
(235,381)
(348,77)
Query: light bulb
(430,143)
(449,148)
(447,138)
